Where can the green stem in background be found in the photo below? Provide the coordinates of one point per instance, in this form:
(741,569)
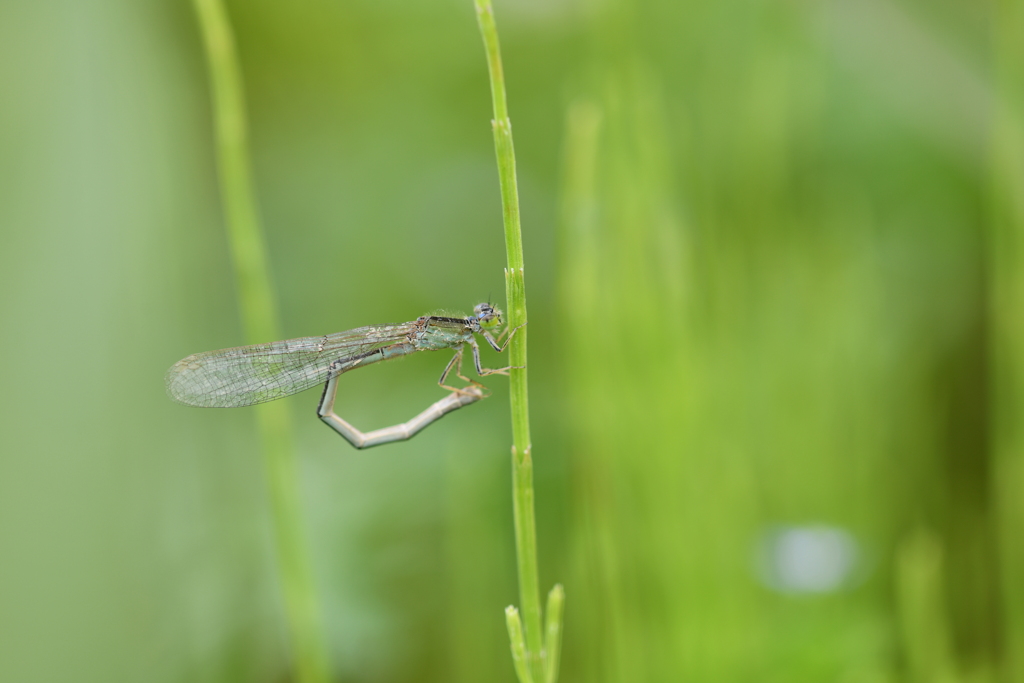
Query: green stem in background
(1006,293)
(923,618)
(515,296)
(259,319)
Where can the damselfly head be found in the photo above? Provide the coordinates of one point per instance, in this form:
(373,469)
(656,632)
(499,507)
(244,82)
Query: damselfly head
(487,316)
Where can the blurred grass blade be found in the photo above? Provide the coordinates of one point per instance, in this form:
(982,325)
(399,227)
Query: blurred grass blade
(622,258)
(925,628)
(259,319)
(553,633)
(1006,284)
(579,282)
(515,637)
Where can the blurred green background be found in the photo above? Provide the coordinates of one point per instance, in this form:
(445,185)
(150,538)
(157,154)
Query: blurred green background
(773,258)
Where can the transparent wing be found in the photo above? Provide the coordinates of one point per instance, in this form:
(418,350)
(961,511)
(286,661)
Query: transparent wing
(246,375)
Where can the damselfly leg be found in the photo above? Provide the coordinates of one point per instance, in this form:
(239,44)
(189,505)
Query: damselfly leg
(482,371)
(456,362)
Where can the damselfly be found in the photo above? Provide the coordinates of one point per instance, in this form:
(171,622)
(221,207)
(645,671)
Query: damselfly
(247,375)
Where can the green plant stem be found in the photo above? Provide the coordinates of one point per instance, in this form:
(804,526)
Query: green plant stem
(515,294)
(259,320)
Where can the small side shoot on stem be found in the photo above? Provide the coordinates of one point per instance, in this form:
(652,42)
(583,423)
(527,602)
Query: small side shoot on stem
(535,654)
(515,637)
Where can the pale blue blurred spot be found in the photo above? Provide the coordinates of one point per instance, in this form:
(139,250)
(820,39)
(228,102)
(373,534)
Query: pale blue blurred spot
(807,559)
